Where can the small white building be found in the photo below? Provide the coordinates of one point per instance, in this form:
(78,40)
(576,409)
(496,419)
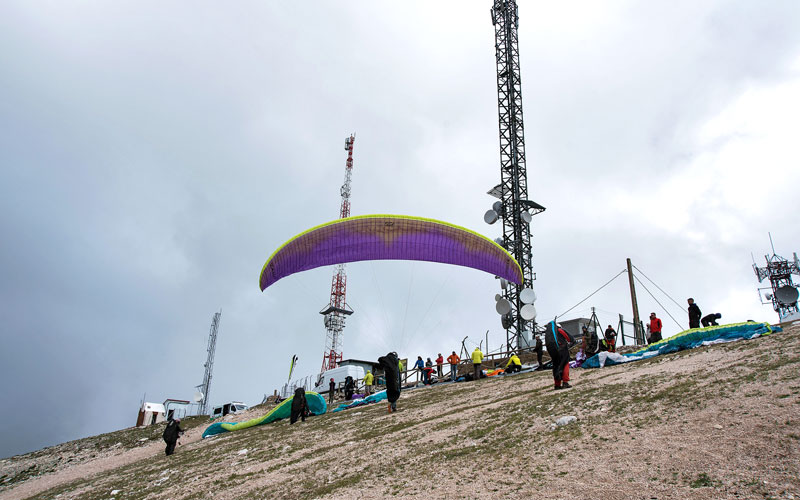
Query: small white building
(151,413)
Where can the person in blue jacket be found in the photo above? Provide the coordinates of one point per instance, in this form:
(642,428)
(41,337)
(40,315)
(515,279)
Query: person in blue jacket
(419,366)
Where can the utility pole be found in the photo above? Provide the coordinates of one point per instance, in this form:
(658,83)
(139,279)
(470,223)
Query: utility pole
(337,309)
(638,334)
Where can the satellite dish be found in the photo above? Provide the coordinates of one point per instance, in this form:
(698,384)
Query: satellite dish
(505,320)
(528,296)
(528,312)
(326,320)
(198,396)
(787,294)
(490,217)
(497,297)
(503,283)
(498,207)
(503,306)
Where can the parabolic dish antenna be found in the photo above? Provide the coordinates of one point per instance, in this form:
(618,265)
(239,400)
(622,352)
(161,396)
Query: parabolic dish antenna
(503,306)
(526,217)
(527,296)
(498,206)
(198,396)
(497,297)
(787,294)
(528,312)
(505,320)
(490,217)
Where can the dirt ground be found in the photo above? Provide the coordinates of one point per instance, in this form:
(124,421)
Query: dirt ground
(716,422)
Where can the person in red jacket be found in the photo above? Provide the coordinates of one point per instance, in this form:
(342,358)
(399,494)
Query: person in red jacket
(439,363)
(654,328)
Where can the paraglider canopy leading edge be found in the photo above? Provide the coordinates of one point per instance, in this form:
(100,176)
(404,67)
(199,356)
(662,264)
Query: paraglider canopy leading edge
(388,237)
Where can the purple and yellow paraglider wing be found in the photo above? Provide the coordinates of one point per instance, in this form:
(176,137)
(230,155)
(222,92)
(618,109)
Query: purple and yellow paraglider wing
(388,237)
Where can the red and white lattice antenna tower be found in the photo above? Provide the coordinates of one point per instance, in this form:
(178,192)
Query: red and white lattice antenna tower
(337,310)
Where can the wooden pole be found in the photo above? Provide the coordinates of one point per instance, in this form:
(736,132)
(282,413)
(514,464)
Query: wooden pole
(637,329)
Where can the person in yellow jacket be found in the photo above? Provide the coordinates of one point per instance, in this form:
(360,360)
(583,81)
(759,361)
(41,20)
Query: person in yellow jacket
(368,378)
(514,364)
(477,359)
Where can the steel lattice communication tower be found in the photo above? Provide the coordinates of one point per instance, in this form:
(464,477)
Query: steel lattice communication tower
(516,210)
(337,309)
(784,293)
(212,347)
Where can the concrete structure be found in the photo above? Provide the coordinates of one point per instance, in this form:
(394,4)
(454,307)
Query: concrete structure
(150,414)
(575,326)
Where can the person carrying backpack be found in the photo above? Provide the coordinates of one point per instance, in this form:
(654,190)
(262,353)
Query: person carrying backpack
(171,434)
(557,342)
(299,406)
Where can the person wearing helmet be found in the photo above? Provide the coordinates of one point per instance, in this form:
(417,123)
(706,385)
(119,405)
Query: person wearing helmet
(171,434)
(557,342)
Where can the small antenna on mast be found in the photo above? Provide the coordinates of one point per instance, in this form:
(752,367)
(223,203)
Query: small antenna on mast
(771,244)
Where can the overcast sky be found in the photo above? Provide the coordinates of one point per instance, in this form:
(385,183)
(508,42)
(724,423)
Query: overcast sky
(153,155)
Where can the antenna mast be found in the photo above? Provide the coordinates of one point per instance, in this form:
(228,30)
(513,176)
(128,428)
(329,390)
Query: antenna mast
(212,347)
(784,293)
(337,309)
(514,207)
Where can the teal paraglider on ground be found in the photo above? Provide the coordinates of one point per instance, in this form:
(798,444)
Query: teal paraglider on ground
(316,405)
(688,339)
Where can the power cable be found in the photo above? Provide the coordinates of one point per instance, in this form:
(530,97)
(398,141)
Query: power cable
(657,302)
(662,291)
(590,295)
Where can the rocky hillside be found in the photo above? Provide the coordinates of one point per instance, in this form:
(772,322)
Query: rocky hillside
(716,422)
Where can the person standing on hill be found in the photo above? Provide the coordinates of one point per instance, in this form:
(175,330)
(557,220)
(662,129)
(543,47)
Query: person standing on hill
(439,363)
(368,378)
(332,386)
(453,359)
(538,350)
(390,365)
(299,406)
(557,342)
(419,365)
(655,329)
(477,359)
(694,314)
(610,339)
(171,435)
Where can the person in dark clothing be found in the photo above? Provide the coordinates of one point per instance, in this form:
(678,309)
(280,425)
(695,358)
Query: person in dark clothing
(610,339)
(299,405)
(349,388)
(332,387)
(391,369)
(694,314)
(171,435)
(590,343)
(538,350)
(557,342)
(710,320)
